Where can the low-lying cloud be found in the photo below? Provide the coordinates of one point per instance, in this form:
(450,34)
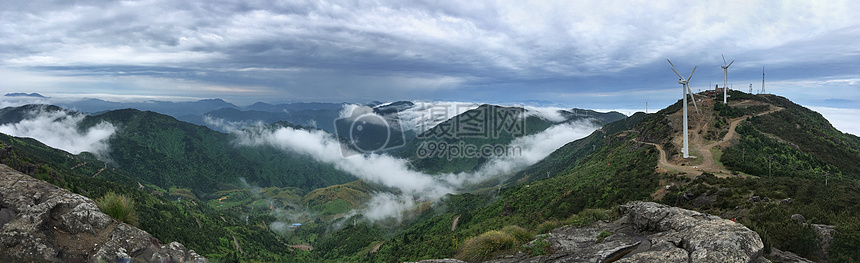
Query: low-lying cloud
(61,130)
(395,172)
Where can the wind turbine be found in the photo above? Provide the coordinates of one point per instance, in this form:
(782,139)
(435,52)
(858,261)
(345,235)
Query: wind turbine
(725,77)
(686,90)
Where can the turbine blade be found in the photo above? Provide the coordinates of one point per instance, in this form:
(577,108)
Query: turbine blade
(693,99)
(730,64)
(670,62)
(691,73)
(724,59)
(676,72)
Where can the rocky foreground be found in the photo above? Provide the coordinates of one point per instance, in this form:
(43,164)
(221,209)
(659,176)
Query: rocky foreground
(650,232)
(40,222)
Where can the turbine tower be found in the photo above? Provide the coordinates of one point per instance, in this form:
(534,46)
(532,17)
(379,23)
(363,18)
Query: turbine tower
(762,79)
(685,90)
(725,77)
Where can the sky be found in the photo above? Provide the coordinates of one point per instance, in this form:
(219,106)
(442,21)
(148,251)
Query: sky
(587,54)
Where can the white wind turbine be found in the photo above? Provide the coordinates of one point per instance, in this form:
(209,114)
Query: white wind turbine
(725,77)
(686,90)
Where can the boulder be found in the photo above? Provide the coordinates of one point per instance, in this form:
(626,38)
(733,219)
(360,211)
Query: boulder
(798,218)
(40,222)
(651,232)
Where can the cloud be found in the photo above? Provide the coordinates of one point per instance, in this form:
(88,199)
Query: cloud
(387,206)
(61,130)
(343,50)
(394,172)
(425,115)
(844,120)
(220,124)
(552,114)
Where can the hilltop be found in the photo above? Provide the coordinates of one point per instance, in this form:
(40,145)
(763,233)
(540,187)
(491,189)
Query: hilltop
(762,162)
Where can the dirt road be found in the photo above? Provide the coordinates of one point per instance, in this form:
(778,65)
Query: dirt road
(708,163)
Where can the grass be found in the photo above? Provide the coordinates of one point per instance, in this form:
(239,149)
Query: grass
(493,242)
(545,227)
(603,234)
(589,216)
(717,153)
(486,245)
(118,206)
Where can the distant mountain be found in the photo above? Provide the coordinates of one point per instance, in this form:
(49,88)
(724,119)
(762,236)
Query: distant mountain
(163,107)
(261,106)
(32,95)
(317,118)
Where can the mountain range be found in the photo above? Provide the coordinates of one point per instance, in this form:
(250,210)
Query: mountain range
(761,160)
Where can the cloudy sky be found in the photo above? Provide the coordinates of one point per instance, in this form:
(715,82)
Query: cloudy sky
(591,54)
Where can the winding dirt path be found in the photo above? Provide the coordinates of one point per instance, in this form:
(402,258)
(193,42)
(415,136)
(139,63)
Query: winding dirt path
(708,163)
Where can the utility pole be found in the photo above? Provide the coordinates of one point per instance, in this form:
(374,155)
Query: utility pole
(769,160)
(826,175)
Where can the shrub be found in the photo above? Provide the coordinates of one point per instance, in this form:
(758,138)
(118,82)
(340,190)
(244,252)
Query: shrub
(540,246)
(603,234)
(521,235)
(545,227)
(486,245)
(118,206)
(588,216)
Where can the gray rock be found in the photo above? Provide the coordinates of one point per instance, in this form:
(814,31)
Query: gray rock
(826,233)
(651,232)
(43,223)
(444,260)
(786,201)
(779,256)
(798,218)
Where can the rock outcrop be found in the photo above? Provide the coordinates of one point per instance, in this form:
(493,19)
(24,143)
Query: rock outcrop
(40,222)
(650,232)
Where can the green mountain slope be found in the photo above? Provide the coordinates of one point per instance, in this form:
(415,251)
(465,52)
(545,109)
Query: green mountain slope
(167,152)
(191,223)
(426,151)
(158,149)
(610,167)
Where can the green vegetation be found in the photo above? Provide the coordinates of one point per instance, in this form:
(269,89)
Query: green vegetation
(196,226)
(787,154)
(603,234)
(488,244)
(587,217)
(539,246)
(545,227)
(437,163)
(163,151)
(614,174)
(119,207)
